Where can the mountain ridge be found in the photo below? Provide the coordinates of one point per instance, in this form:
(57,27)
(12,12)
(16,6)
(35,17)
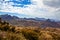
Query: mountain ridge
(38,22)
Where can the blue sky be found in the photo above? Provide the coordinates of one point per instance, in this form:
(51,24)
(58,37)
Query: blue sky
(31,8)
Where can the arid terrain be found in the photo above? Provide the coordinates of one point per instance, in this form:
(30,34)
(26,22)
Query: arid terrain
(29,19)
(10,32)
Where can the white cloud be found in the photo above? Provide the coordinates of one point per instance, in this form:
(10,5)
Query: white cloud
(37,9)
(7,0)
(39,4)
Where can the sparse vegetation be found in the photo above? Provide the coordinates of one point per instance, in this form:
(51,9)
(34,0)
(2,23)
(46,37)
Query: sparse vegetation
(9,32)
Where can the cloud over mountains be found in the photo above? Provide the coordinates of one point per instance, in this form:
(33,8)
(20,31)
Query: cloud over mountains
(35,8)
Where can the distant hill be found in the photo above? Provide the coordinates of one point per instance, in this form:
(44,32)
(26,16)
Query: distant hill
(25,22)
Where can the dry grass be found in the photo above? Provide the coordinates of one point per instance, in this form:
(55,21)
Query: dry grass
(8,32)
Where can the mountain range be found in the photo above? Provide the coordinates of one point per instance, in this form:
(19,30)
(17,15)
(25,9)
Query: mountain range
(27,22)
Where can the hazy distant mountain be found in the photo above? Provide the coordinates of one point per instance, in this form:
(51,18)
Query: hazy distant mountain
(34,22)
(8,17)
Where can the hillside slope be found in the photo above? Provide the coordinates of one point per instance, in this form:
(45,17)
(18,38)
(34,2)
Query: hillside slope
(9,32)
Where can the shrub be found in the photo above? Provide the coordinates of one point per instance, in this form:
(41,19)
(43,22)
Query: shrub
(12,29)
(30,34)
